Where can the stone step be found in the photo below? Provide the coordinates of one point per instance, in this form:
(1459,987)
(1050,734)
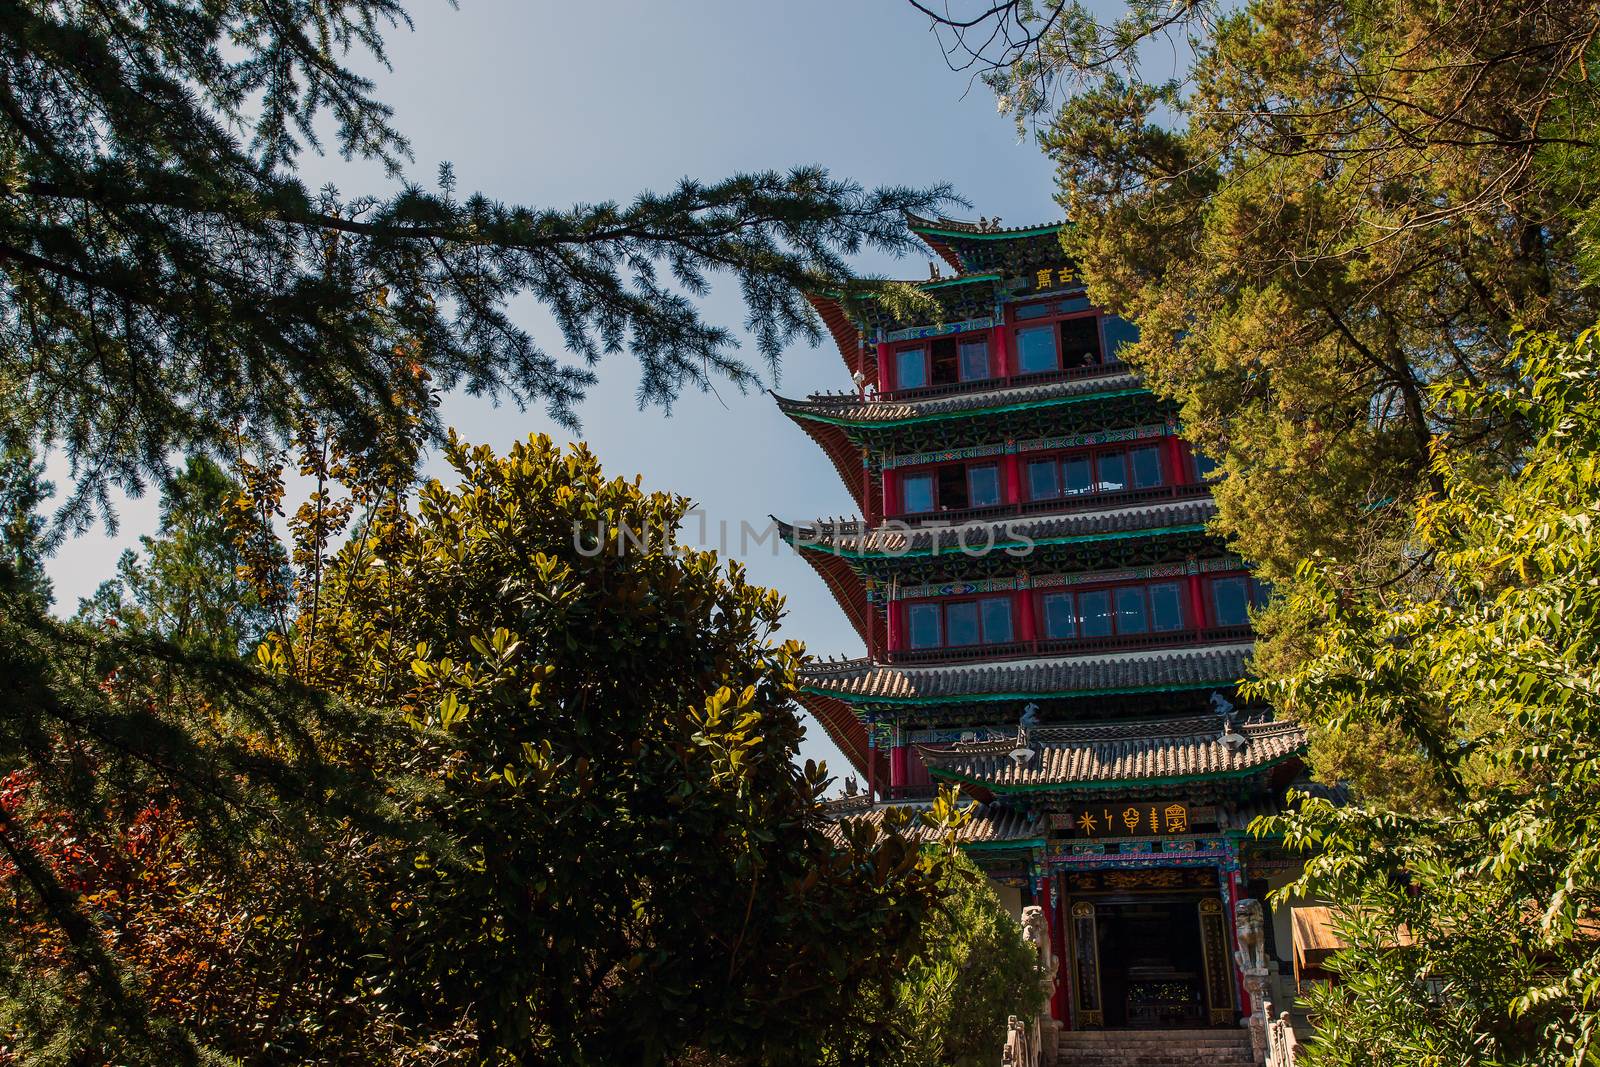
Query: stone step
(1154,1048)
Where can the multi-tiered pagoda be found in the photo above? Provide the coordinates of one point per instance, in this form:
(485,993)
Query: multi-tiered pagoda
(1049,624)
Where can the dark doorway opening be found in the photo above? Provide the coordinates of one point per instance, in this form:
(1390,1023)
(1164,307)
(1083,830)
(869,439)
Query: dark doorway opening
(1152,963)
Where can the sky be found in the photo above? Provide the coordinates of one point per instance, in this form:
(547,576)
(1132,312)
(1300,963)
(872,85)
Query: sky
(545,103)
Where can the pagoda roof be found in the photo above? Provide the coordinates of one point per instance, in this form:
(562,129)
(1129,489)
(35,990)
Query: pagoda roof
(846,336)
(852,539)
(850,409)
(990,825)
(841,725)
(1119,753)
(862,681)
(979,246)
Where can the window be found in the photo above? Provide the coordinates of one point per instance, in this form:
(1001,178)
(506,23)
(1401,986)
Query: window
(1042,483)
(1203,466)
(960,623)
(1131,610)
(1233,597)
(1103,471)
(974,360)
(1146,463)
(1059,622)
(1094,613)
(1166,607)
(1122,610)
(911,368)
(1080,341)
(916,493)
(952,487)
(1118,332)
(1036,350)
(983,486)
(1112,469)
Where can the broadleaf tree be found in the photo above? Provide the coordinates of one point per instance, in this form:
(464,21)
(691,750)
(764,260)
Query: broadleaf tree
(1471,923)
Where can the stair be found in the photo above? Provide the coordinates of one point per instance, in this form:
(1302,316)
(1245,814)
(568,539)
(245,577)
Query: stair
(1155,1048)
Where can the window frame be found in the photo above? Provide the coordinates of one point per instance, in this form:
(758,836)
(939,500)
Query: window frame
(1113,590)
(944,604)
(931,470)
(1256,594)
(924,345)
(1015,325)
(1092,453)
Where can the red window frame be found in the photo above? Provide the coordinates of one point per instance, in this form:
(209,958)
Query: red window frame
(932,470)
(1189,621)
(944,604)
(1256,594)
(1016,325)
(1093,453)
(925,345)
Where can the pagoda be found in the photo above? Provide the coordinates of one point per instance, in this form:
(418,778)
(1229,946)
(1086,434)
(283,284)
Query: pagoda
(1050,624)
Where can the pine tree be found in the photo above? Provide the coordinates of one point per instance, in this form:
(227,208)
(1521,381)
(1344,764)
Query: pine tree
(25,535)
(170,282)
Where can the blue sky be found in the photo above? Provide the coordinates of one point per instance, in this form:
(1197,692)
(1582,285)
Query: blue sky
(551,104)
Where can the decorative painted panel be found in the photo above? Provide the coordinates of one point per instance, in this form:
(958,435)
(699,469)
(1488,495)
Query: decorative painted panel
(914,459)
(1218,961)
(915,333)
(1086,964)
(1104,437)
(1056,581)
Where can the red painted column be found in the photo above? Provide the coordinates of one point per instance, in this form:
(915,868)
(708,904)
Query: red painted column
(891,617)
(1197,603)
(872,764)
(871,497)
(897,766)
(891,504)
(1000,358)
(1177,469)
(883,368)
(1027,625)
(1013,469)
(1052,913)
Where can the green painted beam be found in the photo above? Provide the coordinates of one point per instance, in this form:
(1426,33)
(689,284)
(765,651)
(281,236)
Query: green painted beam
(1048,402)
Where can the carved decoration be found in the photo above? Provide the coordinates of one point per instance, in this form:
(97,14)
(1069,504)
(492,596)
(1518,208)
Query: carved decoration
(1218,961)
(1086,960)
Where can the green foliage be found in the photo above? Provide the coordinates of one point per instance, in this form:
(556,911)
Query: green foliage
(638,866)
(185,586)
(1327,209)
(973,972)
(170,282)
(1473,924)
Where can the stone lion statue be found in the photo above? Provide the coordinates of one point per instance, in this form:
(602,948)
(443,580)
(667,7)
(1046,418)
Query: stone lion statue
(1033,926)
(1251,921)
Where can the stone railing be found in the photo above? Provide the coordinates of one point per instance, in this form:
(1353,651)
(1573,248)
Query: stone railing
(1032,1043)
(1283,1047)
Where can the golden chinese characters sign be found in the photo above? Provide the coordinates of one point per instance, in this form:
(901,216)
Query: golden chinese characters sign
(1144,818)
(1053,278)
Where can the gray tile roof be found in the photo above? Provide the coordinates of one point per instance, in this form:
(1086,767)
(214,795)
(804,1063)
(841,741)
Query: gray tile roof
(849,407)
(990,824)
(1105,672)
(895,539)
(1119,752)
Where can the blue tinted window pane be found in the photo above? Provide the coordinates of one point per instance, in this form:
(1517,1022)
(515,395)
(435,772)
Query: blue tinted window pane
(1146,467)
(1130,610)
(1228,600)
(1118,333)
(974,361)
(1094,611)
(910,368)
(924,620)
(1203,466)
(1036,349)
(1112,471)
(917,492)
(1035,311)
(983,486)
(1058,620)
(996,619)
(1073,304)
(1260,593)
(1075,476)
(1166,607)
(961,623)
(1042,480)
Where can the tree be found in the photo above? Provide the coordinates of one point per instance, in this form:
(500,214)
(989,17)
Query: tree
(637,867)
(186,586)
(973,972)
(25,534)
(1472,925)
(1323,211)
(171,282)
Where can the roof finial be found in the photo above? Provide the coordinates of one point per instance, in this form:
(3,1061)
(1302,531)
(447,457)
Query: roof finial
(933,271)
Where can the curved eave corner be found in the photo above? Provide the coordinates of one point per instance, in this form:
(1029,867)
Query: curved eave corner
(841,579)
(835,444)
(841,726)
(938,247)
(846,336)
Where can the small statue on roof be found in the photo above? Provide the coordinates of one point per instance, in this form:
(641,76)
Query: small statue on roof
(1030,715)
(933,271)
